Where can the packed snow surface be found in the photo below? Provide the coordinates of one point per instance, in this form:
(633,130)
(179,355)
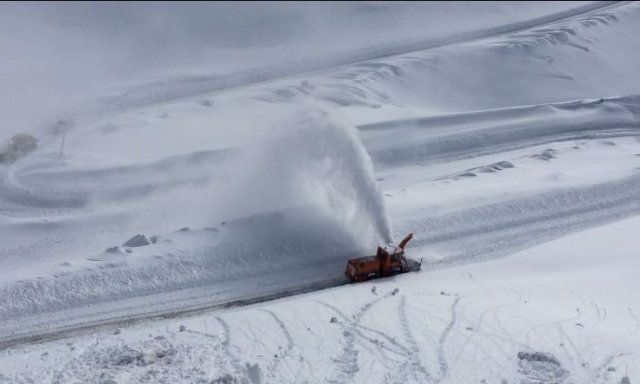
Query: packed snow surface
(561,312)
(509,148)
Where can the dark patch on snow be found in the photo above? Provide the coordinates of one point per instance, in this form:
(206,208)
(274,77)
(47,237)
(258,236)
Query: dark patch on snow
(226,379)
(166,352)
(110,265)
(206,103)
(285,93)
(499,166)
(137,241)
(540,367)
(154,239)
(473,172)
(538,356)
(125,356)
(254,373)
(114,249)
(545,155)
(109,128)
(306,87)
(559,76)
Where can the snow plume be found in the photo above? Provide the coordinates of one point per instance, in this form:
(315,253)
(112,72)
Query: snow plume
(307,166)
(312,160)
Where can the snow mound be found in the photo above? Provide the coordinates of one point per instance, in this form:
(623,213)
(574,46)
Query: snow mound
(137,241)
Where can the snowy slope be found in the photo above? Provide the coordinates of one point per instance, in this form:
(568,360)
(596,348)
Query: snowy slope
(484,146)
(562,312)
(59,58)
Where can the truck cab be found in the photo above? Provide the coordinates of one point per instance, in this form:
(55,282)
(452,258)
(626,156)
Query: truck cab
(389,260)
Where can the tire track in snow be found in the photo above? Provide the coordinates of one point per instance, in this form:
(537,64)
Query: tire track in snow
(442,358)
(401,349)
(520,223)
(635,319)
(413,364)
(273,366)
(347,362)
(576,351)
(477,328)
(32,184)
(226,344)
(600,373)
(221,348)
(469,339)
(426,147)
(601,315)
(517,302)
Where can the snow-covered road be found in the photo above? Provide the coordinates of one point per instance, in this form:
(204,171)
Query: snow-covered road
(561,312)
(479,219)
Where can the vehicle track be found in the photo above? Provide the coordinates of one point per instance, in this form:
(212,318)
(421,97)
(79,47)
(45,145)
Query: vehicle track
(149,314)
(347,362)
(442,358)
(281,354)
(496,139)
(414,363)
(516,224)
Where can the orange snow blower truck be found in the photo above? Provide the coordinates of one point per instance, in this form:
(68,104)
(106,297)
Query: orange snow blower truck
(388,261)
